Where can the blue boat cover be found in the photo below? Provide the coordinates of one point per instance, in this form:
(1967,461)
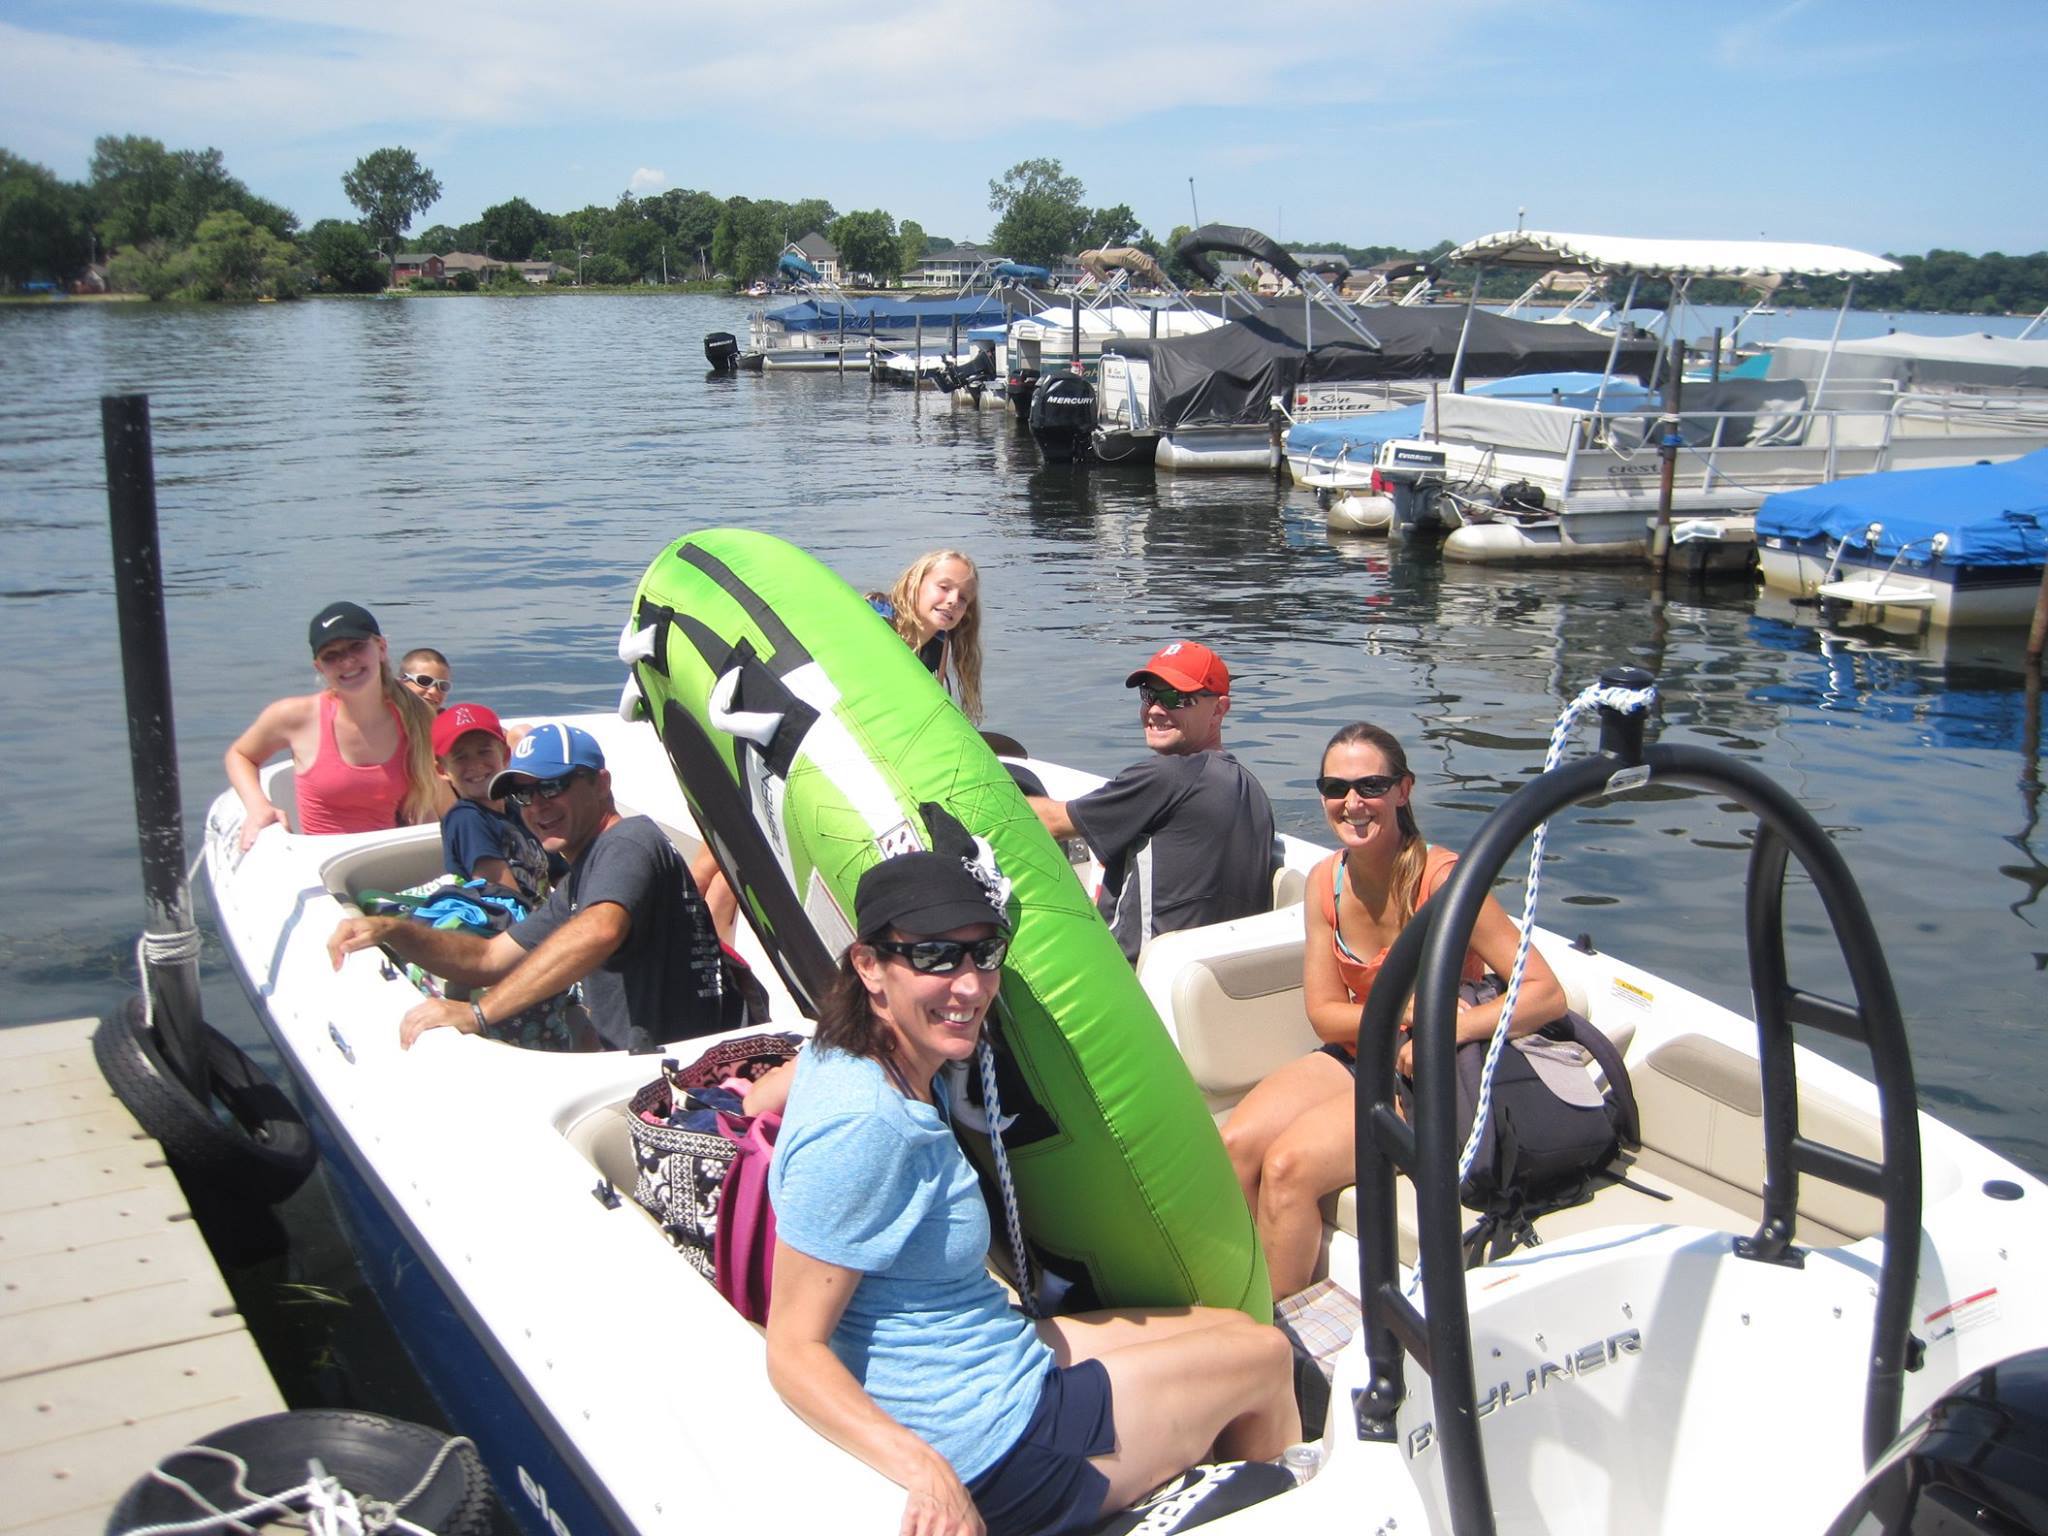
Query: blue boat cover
(1993,514)
(1364,433)
(796,266)
(875,315)
(1022,271)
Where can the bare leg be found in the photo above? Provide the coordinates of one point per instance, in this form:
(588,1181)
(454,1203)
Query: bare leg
(1185,1383)
(719,897)
(1309,1159)
(1274,1105)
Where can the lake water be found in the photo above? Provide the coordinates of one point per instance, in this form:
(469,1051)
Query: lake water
(491,476)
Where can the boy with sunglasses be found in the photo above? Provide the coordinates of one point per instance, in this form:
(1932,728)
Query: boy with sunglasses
(1186,837)
(427,673)
(626,924)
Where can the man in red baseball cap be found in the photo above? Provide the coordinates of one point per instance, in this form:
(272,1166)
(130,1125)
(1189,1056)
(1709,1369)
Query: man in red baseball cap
(1185,837)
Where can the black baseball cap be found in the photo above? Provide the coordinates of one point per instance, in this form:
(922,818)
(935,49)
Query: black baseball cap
(341,621)
(922,893)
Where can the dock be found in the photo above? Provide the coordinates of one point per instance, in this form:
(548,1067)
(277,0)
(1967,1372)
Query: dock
(119,1340)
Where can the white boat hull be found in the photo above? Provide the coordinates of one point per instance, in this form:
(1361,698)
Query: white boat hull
(1635,1375)
(1941,595)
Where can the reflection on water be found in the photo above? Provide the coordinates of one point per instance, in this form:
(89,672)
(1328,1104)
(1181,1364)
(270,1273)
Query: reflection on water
(492,475)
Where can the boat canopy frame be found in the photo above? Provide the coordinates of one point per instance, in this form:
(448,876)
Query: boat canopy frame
(1194,249)
(1676,261)
(1426,961)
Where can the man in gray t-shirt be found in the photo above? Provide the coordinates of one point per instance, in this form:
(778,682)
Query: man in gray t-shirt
(1186,836)
(628,921)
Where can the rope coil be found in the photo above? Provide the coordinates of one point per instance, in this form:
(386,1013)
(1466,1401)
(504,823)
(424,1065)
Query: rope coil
(330,1508)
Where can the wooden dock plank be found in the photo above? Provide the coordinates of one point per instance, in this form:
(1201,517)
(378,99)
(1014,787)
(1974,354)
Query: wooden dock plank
(75,1439)
(119,1340)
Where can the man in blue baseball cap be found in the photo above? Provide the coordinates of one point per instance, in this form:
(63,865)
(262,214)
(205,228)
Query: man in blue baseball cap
(627,924)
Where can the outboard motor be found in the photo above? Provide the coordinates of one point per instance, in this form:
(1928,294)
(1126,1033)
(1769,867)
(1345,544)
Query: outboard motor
(722,351)
(1063,417)
(1022,385)
(975,371)
(1975,1462)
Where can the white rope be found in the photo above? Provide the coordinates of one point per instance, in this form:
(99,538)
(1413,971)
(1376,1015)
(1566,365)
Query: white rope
(174,948)
(330,1508)
(993,1109)
(156,949)
(1628,701)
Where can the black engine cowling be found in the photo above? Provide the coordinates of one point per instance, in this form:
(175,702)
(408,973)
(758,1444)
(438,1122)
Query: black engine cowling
(1063,417)
(1974,1464)
(721,350)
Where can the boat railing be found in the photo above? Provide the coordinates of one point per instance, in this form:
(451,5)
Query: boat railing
(1755,447)
(1936,543)
(1425,963)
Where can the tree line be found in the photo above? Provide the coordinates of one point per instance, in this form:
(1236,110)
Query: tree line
(176,222)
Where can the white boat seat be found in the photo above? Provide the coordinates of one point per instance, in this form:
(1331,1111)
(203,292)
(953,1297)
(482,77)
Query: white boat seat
(1238,1014)
(604,1141)
(602,1137)
(1290,887)
(1702,1111)
(393,866)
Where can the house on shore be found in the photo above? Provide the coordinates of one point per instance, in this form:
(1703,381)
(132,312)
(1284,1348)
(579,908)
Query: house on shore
(949,268)
(407,265)
(822,254)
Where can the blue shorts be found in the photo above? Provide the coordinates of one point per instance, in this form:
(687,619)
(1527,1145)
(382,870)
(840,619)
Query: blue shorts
(1343,1057)
(1044,1483)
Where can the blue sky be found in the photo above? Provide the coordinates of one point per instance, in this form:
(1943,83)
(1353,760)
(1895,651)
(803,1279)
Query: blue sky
(1882,125)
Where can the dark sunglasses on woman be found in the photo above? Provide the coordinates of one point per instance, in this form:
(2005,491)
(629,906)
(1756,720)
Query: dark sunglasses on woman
(942,957)
(1371,787)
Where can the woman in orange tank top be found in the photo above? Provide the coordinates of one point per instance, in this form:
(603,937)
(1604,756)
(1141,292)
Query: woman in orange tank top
(362,748)
(1291,1139)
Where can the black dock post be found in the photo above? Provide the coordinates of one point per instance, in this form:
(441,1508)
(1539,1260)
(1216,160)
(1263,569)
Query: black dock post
(171,941)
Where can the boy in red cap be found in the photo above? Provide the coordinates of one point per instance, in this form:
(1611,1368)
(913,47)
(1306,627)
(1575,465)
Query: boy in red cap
(480,838)
(1185,837)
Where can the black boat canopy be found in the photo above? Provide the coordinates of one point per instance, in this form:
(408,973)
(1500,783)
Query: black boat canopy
(1231,373)
(1193,249)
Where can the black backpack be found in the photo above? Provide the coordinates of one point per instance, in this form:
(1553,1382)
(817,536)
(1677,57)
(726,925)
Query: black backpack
(1537,1154)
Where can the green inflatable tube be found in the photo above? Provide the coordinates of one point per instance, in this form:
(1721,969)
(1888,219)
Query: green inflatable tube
(806,736)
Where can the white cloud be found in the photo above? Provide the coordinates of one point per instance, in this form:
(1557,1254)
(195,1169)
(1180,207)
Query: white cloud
(644,181)
(287,70)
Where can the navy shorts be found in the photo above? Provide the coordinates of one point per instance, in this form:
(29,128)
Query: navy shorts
(1344,1058)
(1044,1483)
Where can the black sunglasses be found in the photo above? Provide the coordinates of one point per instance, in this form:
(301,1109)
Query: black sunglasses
(425,680)
(1170,698)
(942,957)
(1371,787)
(544,789)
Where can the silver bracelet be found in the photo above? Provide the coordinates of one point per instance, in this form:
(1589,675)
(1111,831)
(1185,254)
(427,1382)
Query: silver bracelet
(476,1011)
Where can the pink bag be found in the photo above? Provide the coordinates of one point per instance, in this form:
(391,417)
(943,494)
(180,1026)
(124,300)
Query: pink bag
(743,1251)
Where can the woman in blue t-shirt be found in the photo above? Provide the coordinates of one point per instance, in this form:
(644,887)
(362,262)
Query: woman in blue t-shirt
(885,1330)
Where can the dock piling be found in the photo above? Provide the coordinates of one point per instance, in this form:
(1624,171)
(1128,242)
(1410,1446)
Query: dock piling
(171,943)
(1670,435)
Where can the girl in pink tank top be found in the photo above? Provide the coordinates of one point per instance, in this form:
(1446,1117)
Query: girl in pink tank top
(1291,1139)
(362,703)
(339,796)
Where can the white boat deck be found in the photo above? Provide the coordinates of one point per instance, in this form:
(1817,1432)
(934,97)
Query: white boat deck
(120,1340)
